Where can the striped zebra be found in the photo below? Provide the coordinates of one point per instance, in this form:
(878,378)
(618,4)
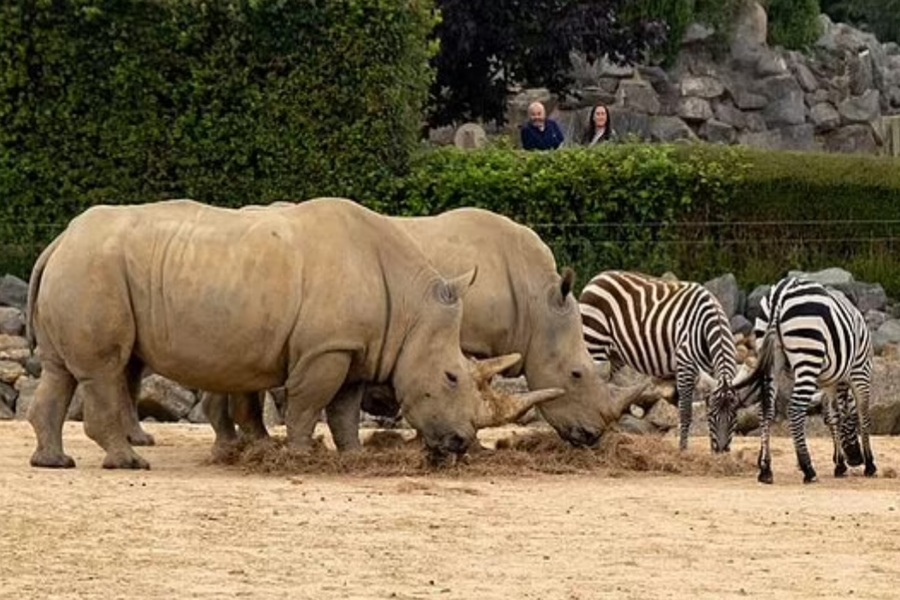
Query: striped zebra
(663,329)
(823,341)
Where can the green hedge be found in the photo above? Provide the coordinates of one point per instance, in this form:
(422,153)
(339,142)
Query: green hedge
(698,210)
(225,101)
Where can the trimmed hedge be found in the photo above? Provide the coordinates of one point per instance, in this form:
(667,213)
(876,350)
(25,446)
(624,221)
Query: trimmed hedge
(226,101)
(698,210)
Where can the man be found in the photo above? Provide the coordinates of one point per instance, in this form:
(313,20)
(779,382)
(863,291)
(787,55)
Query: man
(540,133)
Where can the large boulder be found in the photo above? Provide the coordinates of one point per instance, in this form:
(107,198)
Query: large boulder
(638,96)
(727,292)
(13,292)
(12,321)
(164,400)
(864,108)
(669,129)
(852,139)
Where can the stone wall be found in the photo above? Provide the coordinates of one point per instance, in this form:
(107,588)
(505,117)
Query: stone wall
(832,98)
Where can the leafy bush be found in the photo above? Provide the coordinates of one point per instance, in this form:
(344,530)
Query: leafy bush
(229,102)
(606,207)
(793,24)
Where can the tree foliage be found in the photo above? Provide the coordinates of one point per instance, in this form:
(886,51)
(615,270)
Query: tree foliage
(881,17)
(488,47)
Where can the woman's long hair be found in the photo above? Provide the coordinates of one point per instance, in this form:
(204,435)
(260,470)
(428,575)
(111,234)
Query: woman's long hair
(592,126)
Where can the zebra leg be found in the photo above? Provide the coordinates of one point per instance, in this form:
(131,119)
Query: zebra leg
(848,419)
(686,380)
(862,392)
(766,416)
(831,415)
(804,388)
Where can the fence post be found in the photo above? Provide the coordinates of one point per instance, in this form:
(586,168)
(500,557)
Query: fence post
(892,134)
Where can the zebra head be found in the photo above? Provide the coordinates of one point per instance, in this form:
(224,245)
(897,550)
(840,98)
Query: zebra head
(722,410)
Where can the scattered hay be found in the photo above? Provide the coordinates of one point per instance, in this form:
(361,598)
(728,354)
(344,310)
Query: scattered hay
(390,455)
(888,473)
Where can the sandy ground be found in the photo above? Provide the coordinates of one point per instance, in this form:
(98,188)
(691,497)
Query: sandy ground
(188,529)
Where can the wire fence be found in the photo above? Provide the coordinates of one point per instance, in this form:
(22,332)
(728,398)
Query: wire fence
(754,250)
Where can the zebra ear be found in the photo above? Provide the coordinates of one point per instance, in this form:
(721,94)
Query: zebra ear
(568,282)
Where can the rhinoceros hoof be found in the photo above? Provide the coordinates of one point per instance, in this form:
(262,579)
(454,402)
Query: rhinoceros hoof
(141,438)
(125,461)
(52,460)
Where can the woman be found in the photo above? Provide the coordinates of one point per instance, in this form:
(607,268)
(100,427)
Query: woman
(599,126)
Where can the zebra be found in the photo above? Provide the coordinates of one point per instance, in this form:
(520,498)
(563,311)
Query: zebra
(663,329)
(823,340)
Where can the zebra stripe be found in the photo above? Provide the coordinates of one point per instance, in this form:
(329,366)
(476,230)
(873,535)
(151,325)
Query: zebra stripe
(823,340)
(665,329)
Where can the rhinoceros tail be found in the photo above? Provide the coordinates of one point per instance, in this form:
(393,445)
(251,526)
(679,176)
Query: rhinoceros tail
(34,285)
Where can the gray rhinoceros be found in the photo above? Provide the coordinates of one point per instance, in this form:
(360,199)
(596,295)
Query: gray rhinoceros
(519,303)
(222,299)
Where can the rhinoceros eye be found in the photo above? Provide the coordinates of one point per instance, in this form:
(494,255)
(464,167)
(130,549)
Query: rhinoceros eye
(576,374)
(451,377)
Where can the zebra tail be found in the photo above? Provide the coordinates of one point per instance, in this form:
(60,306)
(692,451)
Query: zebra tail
(750,384)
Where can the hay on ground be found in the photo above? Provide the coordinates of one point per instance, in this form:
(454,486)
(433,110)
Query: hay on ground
(389,454)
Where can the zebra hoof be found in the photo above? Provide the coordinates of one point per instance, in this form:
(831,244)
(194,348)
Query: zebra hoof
(870,470)
(765,476)
(840,470)
(810,478)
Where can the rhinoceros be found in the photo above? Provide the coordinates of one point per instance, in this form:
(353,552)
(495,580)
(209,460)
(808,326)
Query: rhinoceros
(309,296)
(520,303)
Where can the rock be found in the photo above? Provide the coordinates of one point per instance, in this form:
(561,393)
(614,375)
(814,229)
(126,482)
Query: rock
(699,418)
(164,400)
(12,321)
(865,296)
(10,371)
(13,342)
(8,395)
(636,411)
(33,366)
(754,298)
(787,110)
(834,276)
(669,129)
(747,100)
(741,324)
(610,69)
(769,63)
(630,424)
(824,117)
(861,109)
(702,87)
(197,415)
(852,139)
(749,36)
(797,137)
(805,77)
(875,318)
(26,387)
(726,112)
(663,416)
(887,333)
(717,132)
(638,96)
(694,109)
(76,408)
(656,76)
(726,291)
(697,33)
(884,407)
(470,136)
(13,292)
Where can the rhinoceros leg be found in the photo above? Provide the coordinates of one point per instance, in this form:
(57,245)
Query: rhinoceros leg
(136,434)
(247,411)
(47,414)
(106,419)
(215,407)
(343,417)
(311,385)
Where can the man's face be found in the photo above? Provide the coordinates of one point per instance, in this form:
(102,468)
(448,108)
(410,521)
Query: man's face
(536,115)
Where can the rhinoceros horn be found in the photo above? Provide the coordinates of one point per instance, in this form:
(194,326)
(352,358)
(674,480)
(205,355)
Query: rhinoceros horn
(501,408)
(484,369)
(620,398)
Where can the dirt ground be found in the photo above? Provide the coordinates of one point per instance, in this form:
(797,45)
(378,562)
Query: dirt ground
(190,529)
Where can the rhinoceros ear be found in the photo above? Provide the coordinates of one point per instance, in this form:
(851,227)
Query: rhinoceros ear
(455,289)
(568,282)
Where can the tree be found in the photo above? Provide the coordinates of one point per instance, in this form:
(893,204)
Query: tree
(881,17)
(487,47)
